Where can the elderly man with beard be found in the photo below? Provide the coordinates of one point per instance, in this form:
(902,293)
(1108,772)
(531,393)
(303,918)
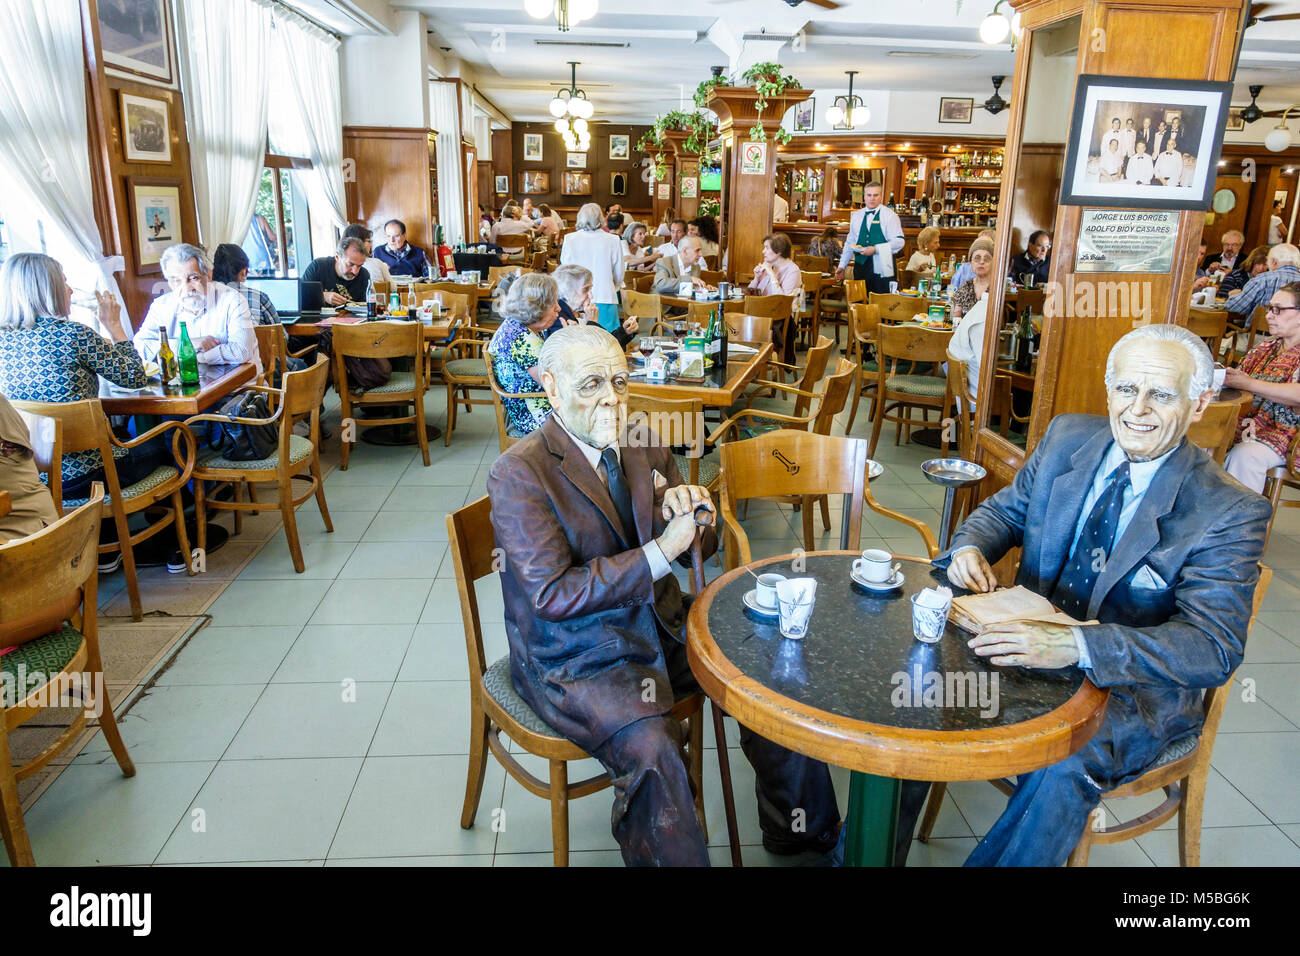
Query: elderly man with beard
(588,518)
(217,317)
(1127,524)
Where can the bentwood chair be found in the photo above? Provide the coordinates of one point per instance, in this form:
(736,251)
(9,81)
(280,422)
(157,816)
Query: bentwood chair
(380,287)
(504,437)
(678,424)
(897,307)
(295,457)
(1279,478)
(389,340)
(467,289)
(712,276)
(639,281)
(465,371)
(496,707)
(1182,772)
(920,346)
(806,378)
(643,305)
(515,247)
(1211,325)
(700,312)
(86,429)
(497,273)
(1216,429)
(51,670)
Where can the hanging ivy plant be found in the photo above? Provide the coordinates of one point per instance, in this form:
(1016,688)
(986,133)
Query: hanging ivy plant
(704,92)
(768,80)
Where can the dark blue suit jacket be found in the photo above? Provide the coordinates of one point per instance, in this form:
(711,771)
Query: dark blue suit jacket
(1196,530)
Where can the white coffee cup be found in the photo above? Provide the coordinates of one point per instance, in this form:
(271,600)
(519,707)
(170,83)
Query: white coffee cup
(765,589)
(875,566)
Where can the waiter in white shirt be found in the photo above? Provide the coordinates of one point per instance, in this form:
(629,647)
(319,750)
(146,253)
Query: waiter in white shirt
(1140,166)
(780,208)
(1114,133)
(875,237)
(216,317)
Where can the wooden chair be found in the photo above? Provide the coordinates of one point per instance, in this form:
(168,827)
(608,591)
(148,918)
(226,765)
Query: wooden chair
(639,281)
(754,330)
(381,287)
(1031,299)
(900,392)
(540,255)
(1280,478)
(678,423)
(504,438)
(1211,325)
(273,348)
(699,312)
(1255,325)
(382,340)
(810,317)
(806,377)
(643,305)
(37,571)
(85,428)
(713,277)
(294,457)
(709,263)
(515,247)
(467,289)
(496,273)
(807,263)
(1216,429)
(959,398)
(496,707)
(863,322)
(907,278)
(899,308)
(464,370)
(779,308)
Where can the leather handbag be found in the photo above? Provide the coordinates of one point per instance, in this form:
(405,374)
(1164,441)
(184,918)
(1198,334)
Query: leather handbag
(237,441)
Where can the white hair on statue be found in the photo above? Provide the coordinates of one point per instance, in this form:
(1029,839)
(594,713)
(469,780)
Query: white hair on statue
(1202,379)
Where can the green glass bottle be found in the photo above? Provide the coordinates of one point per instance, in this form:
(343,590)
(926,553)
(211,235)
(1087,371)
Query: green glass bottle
(189,359)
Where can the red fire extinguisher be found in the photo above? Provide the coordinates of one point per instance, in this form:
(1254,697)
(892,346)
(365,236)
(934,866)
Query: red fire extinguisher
(446,262)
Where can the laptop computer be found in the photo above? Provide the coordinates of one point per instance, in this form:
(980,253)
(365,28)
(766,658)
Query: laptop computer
(283,294)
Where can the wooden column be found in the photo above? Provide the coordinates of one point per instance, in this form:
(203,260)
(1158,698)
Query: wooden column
(686,164)
(395,179)
(748,195)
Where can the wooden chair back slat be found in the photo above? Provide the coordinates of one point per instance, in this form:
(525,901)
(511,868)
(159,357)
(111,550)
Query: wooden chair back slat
(835,393)
(912,343)
(712,276)
(957,372)
(639,281)
(1210,324)
(677,423)
(304,390)
(42,568)
(865,319)
(746,329)
(389,339)
(898,308)
(855,290)
(643,305)
(772,306)
(1216,429)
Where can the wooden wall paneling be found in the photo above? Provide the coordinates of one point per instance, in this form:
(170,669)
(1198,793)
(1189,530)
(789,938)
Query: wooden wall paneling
(394,178)
(1236,218)
(636,202)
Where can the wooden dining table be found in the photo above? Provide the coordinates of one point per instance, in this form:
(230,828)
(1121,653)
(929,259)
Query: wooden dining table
(850,692)
(215,383)
(718,389)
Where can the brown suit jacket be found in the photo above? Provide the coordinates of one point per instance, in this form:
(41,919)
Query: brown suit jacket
(584,619)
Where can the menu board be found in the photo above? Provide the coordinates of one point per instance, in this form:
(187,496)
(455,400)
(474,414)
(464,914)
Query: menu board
(1124,240)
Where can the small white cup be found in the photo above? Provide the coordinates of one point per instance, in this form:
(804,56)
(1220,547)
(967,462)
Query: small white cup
(765,589)
(875,566)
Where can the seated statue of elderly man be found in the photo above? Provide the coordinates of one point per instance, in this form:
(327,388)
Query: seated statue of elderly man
(1128,524)
(589,516)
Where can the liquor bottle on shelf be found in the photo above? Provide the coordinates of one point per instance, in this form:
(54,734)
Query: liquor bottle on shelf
(189,359)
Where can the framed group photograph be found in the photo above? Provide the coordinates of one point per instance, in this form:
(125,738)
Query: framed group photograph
(619,146)
(155,206)
(1235,123)
(956,109)
(136,37)
(532,147)
(534,181)
(1151,143)
(146,129)
(502,185)
(804,114)
(575,160)
(576,184)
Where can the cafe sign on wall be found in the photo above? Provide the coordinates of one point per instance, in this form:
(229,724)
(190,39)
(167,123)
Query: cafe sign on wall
(1122,240)
(753,158)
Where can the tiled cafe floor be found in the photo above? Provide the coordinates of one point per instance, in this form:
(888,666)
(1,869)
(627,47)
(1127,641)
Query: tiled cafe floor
(322,718)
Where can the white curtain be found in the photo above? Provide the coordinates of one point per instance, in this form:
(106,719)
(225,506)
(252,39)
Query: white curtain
(309,60)
(451,193)
(44,147)
(224,51)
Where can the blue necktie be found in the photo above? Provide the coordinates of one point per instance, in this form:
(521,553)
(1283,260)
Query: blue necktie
(1074,587)
(620,493)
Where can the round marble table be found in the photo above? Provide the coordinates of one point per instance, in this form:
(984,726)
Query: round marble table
(861,692)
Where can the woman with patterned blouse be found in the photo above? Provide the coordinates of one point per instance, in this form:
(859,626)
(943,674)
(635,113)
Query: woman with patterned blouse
(529,306)
(1271,372)
(47,357)
(963,299)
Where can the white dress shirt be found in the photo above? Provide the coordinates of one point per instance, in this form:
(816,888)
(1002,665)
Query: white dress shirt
(1112,161)
(1140,169)
(378,270)
(224,317)
(1169,165)
(659,566)
(889,225)
(1128,141)
(602,254)
(780,209)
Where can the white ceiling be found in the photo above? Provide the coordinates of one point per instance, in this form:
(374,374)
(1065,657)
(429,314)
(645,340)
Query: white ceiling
(665,48)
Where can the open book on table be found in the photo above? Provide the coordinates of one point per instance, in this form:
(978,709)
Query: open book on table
(977,612)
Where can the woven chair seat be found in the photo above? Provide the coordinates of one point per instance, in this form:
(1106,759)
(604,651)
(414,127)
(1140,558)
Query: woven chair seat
(397,382)
(41,658)
(499,686)
(1176,751)
(924,385)
(299,448)
(466,368)
(439,353)
(159,476)
(709,467)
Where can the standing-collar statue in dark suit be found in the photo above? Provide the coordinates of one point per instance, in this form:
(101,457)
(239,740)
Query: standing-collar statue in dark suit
(589,517)
(1132,526)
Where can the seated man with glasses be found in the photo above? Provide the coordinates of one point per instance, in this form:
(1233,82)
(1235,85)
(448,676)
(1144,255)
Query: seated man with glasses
(402,258)
(217,317)
(1283,269)
(588,515)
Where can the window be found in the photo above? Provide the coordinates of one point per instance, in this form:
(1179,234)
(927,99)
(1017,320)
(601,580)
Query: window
(279,237)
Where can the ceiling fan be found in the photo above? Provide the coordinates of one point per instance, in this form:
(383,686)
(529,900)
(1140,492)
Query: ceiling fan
(1256,9)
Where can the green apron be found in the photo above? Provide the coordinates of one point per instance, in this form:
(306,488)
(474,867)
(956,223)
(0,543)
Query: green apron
(874,236)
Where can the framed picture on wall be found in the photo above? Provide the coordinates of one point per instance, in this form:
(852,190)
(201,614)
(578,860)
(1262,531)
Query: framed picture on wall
(136,37)
(502,185)
(532,147)
(804,114)
(1145,142)
(155,206)
(146,129)
(956,109)
(619,145)
(576,184)
(618,184)
(534,181)
(575,160)
(1235,123)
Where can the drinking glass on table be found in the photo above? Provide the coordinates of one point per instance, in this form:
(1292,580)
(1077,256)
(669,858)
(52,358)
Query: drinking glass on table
(647,345)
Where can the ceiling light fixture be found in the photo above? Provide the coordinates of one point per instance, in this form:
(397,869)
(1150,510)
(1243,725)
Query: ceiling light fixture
(571,110)
(567,12)
(996,26)
(1279,137)
(849,110)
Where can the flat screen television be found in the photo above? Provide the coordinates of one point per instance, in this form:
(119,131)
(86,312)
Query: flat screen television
(710,177)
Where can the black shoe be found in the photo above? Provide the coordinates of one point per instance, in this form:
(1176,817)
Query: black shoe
(108,563)
(176,562)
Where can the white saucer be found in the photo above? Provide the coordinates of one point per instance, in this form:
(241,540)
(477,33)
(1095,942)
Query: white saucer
(895,582)
(751,602)
(874,469)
